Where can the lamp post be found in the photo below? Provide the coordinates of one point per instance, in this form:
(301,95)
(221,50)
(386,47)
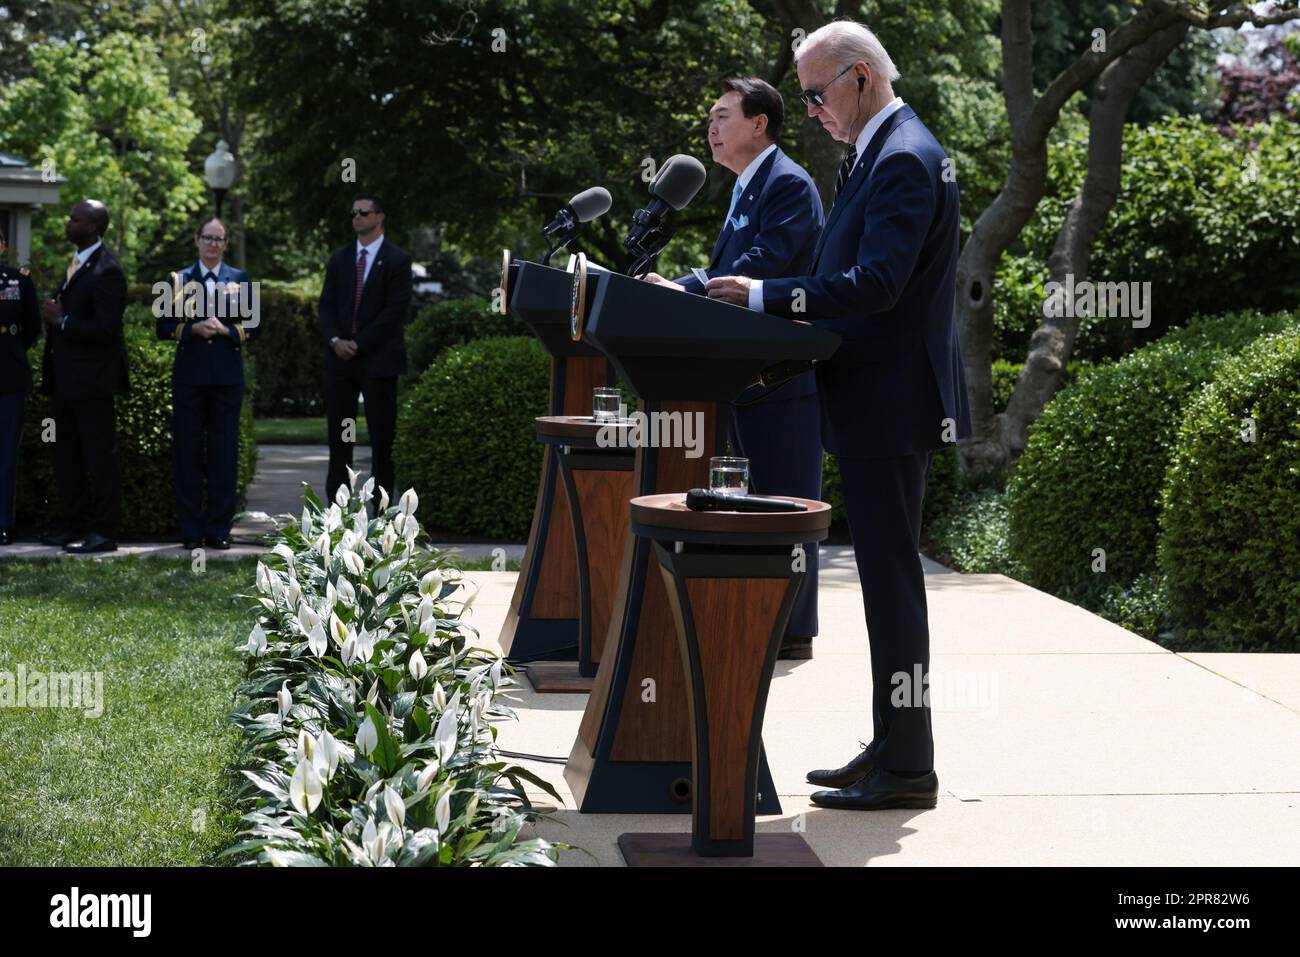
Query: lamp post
(219,171)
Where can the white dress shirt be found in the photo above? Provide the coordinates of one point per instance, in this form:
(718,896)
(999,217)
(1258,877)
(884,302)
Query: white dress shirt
(864,138)
(743,182)
(371,252)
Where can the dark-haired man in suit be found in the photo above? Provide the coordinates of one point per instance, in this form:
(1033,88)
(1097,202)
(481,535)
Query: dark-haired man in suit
(770,231)
(83,368)
(884,278)
(363,308)
(20,325)
(208,388)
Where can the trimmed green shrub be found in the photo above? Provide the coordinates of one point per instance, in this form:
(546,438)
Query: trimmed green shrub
(970,534)
(290,354)
(466,438)
(1230,542)
(450,323)
(144,442)
(1091,475)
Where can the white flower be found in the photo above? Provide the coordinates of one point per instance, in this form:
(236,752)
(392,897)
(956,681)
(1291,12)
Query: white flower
(367,737)
(381,576)
(285,552)
(444,737)
(388,539)
(497,667)
(338,630)
(263,579)
(346,592)
(355,564)
(342,495)
(353,475)
(327,756)
(322,545)
(409,502)
(277,586)
(306,743)
(306,522)
(317,642)
(418,666)
(368,489)
(349,651)
(431,584)
(426,777)
(395,806)
(373,840)
(333,517)
(307,618)
(256,641)
(293,594)
(442,812)
(305,786)
(439,697)
(373,694)
(284,699)
(426,610)
(331,597)
(365,645)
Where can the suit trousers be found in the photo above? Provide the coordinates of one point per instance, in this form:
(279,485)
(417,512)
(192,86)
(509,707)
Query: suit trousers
(883,500)
(11,433)
(781,437)
(85,464)
(205,430)
(380,394)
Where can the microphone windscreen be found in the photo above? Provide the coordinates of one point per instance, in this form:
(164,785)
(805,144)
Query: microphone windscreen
(679,180)
(591,203)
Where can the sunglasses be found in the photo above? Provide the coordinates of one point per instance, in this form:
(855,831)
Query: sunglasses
(361,212)
(811,97)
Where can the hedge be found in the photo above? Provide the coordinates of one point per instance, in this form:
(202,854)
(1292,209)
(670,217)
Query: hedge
(1231,527)
(144,442)
(466,438)
(289,352)
(452,322)
(1091,474)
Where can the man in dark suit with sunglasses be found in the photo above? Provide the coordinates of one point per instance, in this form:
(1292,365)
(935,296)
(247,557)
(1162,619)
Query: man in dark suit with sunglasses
(363,309)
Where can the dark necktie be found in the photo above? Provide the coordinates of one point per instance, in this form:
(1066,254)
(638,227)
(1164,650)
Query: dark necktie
(361,281)
(845,168)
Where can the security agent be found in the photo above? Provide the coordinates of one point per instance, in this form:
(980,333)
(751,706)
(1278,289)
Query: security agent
(20,325)
(207,386)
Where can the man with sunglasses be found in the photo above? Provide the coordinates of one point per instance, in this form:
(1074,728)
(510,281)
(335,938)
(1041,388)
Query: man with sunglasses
(884,277)
(363,308)
(770,231)
(207,387)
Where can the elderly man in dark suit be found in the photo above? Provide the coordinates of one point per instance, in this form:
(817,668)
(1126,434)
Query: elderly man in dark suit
(363,308)
(207,387)
(83,368)
(770,231)
(883,277)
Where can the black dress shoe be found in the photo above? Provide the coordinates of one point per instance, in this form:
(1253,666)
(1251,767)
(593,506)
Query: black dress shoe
(880,790)
(851,773)
(191,543)
(94,542)
(219,543)
(795,649)
(58,538)
(4,537)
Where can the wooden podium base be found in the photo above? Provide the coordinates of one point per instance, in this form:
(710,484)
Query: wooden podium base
(674,850)
(558,677)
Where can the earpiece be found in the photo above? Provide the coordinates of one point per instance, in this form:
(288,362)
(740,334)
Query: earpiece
(862,80)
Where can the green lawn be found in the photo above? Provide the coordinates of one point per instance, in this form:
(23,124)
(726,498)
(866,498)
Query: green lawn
(303,431)
(148,782)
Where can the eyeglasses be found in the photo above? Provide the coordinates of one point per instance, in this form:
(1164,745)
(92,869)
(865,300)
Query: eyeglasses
(811,97)
(215,240)
(362,212)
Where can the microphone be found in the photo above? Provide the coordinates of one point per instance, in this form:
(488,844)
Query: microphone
(583,208)
(676,184)
(706,500)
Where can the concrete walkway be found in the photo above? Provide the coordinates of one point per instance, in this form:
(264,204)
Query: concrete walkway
(1061,739)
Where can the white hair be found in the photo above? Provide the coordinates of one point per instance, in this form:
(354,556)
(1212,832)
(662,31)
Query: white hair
(845,42)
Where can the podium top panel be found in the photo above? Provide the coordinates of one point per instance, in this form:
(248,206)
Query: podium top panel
(665,516)
(541,297)
(671,344)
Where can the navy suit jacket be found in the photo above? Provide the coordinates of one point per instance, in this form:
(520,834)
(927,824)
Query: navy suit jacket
(781,215)
(884,278)
(215,361)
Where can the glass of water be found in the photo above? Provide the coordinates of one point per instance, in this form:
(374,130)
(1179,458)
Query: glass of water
(729,475)
(605,402)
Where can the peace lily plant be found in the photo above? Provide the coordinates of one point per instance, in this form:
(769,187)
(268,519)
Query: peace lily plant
(366,715)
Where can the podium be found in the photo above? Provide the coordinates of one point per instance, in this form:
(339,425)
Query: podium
(543,620)
(731,579)
(684,356)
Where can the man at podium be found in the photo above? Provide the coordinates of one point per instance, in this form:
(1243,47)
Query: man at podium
(770,231)
(883,277)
